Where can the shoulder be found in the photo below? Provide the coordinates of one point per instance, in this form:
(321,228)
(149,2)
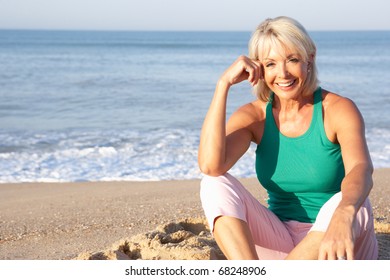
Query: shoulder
(251,112)
(340,112)
(333,100)
(337,105)
(250,117)
(347,124)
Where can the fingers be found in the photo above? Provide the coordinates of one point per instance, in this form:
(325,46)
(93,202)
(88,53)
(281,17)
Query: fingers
(337,251)
(242,69)
(350,253)
(253,68)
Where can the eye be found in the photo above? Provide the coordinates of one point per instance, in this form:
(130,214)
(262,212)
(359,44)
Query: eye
(269,64)
(294,60)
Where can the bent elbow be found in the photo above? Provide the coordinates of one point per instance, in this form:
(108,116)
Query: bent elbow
(210,171)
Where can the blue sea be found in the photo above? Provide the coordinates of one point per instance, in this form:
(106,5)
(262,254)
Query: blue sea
(98,106)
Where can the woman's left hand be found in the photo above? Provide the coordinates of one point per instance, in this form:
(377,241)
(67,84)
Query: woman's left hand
(338,242)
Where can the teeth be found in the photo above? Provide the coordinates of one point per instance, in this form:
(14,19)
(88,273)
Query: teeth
(286,84)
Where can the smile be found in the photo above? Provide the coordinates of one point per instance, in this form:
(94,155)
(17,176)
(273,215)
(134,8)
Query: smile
(286,84)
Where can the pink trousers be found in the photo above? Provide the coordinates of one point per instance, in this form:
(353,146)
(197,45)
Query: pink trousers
(274,239)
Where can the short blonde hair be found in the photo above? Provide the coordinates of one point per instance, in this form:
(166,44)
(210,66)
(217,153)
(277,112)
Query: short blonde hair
(283,33)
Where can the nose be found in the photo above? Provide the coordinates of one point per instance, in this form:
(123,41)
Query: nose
(282,70)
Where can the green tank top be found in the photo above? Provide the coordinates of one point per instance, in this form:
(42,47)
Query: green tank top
(299,173)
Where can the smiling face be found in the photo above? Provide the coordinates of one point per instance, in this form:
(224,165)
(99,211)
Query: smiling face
(285,73)
(283,39)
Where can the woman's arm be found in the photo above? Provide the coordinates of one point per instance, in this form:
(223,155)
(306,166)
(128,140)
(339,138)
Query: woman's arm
(222,145)
(348,125)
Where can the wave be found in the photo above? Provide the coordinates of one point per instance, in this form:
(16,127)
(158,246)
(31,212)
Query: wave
(98,156)
(113,155)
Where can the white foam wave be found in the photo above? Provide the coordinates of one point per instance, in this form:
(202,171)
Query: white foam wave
(157,155)
(378,140)
(164,154)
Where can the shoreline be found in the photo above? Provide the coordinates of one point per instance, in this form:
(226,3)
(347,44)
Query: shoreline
(54,221)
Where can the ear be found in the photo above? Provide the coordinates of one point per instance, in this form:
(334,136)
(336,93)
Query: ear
(311,58)
(310,61)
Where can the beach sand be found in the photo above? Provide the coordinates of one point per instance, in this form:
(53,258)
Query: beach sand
(127,220)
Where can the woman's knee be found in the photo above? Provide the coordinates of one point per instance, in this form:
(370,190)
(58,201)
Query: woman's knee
(209,182)
(364,218)
(221,186)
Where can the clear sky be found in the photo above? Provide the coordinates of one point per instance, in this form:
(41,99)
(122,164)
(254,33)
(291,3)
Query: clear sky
(191,15)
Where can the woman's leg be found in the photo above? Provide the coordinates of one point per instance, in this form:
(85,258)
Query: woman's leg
(240,223)
(234,238)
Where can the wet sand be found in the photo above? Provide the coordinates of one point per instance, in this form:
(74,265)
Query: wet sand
(127,220)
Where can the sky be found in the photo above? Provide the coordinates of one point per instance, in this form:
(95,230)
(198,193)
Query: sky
(201,15)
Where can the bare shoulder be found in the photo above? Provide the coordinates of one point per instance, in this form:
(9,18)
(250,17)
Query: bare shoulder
(338,108)
(333,100)
(254,111)
(251,112)
(250,117)
(342,118)
(345,123)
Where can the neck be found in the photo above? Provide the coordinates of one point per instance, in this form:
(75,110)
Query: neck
(293,117)
(291,106)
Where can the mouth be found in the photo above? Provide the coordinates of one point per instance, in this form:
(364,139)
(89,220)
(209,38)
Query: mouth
(286,84)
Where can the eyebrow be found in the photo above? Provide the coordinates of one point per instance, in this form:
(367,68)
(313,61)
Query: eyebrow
(293,54)
(288,57)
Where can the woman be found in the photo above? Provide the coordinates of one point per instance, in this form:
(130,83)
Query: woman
(311,156)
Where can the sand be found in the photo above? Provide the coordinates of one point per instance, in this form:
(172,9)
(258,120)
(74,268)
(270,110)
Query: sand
(127,220)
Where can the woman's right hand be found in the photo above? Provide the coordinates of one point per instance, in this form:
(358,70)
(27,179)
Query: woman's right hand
(242,69)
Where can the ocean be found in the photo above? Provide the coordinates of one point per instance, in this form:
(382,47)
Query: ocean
(100,106)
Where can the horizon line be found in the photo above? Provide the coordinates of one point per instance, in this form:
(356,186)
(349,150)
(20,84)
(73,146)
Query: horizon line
(176,30)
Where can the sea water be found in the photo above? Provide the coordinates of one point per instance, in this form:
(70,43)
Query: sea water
(96,106)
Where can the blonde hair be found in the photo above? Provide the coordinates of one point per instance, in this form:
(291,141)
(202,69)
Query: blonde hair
(283,33)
